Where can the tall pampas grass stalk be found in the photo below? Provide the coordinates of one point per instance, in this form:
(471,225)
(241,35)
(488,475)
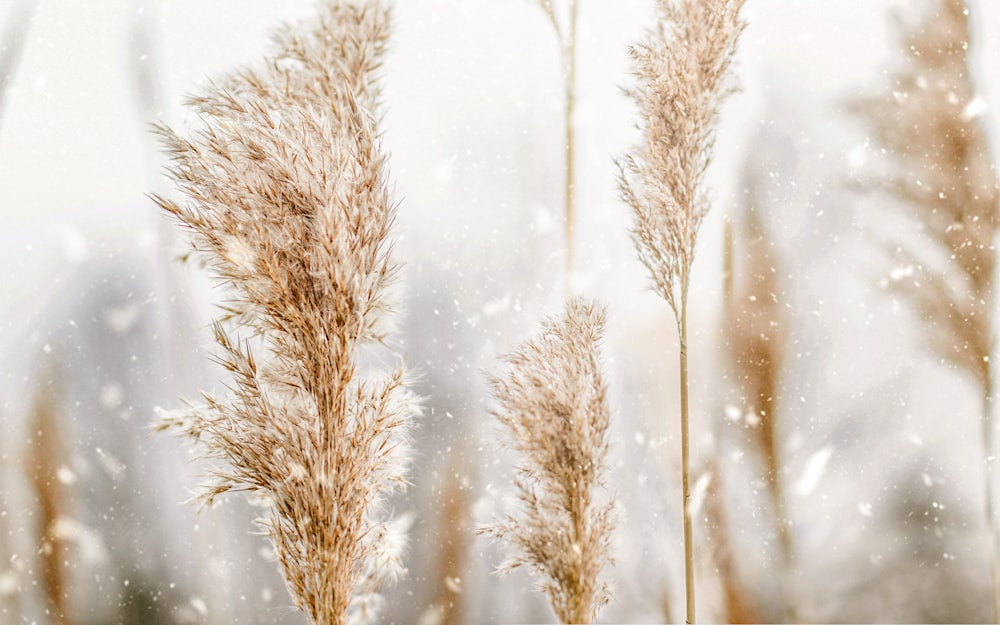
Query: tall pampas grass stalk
(288,203)
(565,30)
(552,401)
(682,70)
(927,122)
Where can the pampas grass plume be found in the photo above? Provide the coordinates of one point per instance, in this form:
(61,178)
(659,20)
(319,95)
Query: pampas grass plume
(552,402)
(288,203)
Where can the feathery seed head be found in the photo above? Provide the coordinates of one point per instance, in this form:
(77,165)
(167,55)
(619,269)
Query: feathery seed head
(682,72)
(552,401)
(288,203)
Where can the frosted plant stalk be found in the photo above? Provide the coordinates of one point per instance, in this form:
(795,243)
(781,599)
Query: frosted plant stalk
(287,202)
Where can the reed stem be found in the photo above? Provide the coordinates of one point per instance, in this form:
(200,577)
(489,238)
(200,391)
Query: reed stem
(686,469)
(989,467)
(569,65)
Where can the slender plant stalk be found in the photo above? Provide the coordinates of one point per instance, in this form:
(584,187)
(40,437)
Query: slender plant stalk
(570,173)
(682,69)
(566,34)
(552,400)
(928,124)
(989,451)
(288,203)
(689,596)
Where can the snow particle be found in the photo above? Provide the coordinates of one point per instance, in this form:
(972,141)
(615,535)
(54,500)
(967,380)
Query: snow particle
(111,465)
(65,475)
(111,395)
(975,108)
(733,413)
(121,319)
(8,583)
(698,493)
(813,471)
(199,606)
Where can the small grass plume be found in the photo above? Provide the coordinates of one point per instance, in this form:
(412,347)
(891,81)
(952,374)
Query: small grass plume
(926,120)
(552,400)
(288,203)
(682,70)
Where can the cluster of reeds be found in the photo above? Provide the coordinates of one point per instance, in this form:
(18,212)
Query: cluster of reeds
(552,401)
(287,201)
(941,169)
(682,74)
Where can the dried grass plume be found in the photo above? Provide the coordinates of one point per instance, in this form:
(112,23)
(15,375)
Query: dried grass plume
(682,72)
(552,401)
(288,203)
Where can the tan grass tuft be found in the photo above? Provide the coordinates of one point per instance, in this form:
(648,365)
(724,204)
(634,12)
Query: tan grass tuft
(288,203)
(552,400)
